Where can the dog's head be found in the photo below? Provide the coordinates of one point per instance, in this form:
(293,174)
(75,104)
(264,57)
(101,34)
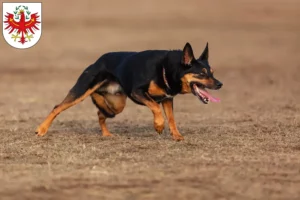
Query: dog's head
(196,75)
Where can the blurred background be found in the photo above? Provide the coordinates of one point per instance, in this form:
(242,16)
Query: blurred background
(254,49)
(248,39)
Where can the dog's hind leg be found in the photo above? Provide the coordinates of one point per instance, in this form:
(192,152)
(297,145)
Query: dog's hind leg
(73,98)
(145,99)
(104,129)
(103,112)
(109,105)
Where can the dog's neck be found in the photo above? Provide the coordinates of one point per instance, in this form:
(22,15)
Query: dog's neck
(170,74)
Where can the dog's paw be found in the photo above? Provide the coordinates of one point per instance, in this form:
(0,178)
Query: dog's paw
(177,137)
(159,125)
(107,134)
(41,131)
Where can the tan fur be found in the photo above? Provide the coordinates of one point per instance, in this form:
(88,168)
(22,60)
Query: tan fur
(112,104)
(168,109)
(188,78)
(155,90)
(100,101)
(65,104)
(104,129)
(154,107)
(116,102)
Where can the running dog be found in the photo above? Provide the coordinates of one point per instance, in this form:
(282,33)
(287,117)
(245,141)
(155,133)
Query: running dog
(148,78)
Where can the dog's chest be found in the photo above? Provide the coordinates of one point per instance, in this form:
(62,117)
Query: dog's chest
(157,93)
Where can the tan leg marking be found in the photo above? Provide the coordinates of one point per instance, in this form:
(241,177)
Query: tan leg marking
(116,102)
(65,104)
(159,121)
(168,108)
(112,104)
(155,90)
(100,101)
(104,129)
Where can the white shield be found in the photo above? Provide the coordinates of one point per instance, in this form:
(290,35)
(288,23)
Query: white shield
(22,24)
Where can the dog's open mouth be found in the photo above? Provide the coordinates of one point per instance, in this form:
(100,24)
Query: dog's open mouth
(199,91)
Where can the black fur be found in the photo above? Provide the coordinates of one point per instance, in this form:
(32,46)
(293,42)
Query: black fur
(135,70)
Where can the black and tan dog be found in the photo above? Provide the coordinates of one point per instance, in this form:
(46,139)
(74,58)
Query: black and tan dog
(148,78)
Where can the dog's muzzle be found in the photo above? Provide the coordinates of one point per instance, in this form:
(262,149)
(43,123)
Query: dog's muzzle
(199,91)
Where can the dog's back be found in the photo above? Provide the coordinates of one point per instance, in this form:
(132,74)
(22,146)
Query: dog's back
(102,69)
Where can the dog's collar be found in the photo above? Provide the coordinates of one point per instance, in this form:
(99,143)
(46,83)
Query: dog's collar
(168,89)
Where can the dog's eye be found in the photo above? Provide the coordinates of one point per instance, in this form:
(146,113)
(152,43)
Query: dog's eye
(202,74)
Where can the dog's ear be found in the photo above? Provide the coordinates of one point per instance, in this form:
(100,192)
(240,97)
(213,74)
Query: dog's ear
(205,53)
(188,54)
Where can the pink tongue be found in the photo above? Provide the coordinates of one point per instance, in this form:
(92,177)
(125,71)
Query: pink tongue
(211,98)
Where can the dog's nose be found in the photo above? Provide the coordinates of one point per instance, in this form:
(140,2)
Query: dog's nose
(219,85)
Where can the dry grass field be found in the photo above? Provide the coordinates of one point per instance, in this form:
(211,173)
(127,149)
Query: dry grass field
(246,147)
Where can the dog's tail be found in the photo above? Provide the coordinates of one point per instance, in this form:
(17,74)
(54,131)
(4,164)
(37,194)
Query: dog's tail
(90,78)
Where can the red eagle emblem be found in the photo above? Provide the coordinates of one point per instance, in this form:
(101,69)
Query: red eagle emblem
(23,26)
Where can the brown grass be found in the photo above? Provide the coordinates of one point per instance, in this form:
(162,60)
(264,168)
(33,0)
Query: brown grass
(246,147)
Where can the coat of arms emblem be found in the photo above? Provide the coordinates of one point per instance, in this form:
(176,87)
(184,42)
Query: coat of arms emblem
(22,26)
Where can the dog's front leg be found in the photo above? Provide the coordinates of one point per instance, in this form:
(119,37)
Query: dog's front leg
(144,98)
(168,109)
